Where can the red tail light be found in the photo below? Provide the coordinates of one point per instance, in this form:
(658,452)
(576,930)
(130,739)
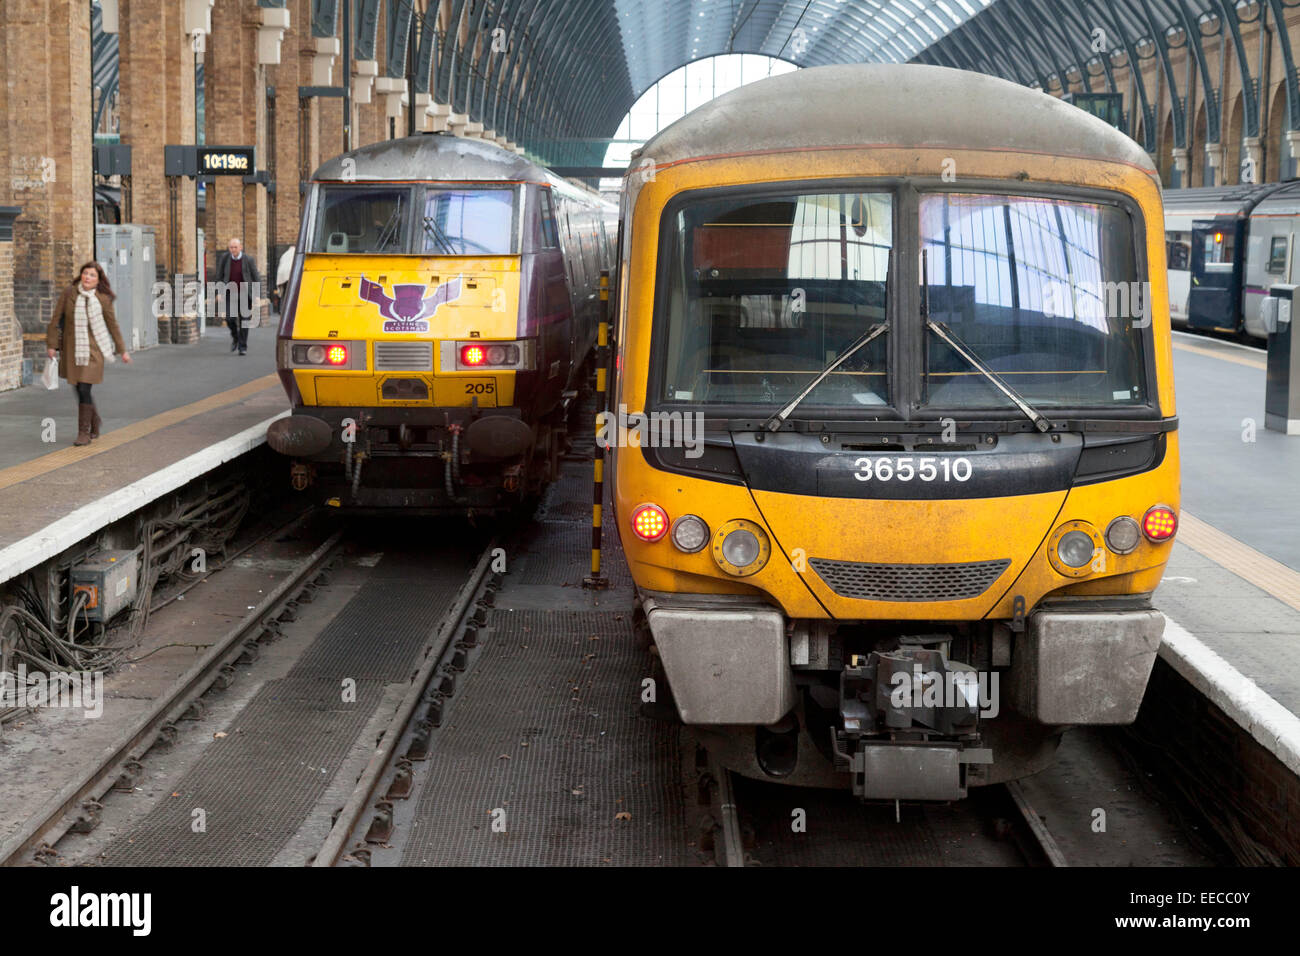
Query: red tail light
(1159,523)
(473,355)
(649,522)
(336,355)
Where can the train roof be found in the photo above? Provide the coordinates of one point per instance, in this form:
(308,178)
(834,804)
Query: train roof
(878,104)
(432,157)
(1281,201)
(1219,200)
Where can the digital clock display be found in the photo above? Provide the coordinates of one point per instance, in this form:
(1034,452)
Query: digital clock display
(225,160)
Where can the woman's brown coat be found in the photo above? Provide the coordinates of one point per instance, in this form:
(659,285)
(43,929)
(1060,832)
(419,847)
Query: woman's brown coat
(93,373)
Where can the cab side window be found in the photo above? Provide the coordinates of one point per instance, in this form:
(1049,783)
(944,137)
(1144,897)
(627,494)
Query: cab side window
(550,232)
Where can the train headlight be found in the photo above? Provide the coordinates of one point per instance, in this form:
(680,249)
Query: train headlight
(1074,549)
(503,356)
(690,534)
(649,522)
(316,354)
(741,547)
(1123,535)
(1159,523)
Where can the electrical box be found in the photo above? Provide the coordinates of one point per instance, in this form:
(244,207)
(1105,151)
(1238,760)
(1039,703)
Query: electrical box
(109,580)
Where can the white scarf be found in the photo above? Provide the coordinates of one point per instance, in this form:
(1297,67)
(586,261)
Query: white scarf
(90,313)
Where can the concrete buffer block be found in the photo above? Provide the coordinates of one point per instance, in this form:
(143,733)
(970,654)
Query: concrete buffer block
(270,34)
(322,61)
(363,78)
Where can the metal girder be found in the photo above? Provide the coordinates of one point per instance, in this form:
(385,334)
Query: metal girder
(1288,61)
(324,18)
(367,28)
(424,51)
(1130,53)
(1066,47)
(1012,38)
(397,34)
(459,96)
(447,57)
(1162,50)
(1193,43)
(1251,96)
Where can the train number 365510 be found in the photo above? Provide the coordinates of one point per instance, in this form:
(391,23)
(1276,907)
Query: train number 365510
(903,469)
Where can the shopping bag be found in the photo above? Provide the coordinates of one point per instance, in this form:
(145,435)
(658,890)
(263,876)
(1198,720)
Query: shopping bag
(50,377)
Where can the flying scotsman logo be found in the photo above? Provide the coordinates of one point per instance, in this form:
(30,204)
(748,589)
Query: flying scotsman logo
(408,308)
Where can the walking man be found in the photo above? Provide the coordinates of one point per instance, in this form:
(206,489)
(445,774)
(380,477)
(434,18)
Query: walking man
(240,287)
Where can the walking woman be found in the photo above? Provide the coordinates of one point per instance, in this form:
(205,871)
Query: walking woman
(84,328)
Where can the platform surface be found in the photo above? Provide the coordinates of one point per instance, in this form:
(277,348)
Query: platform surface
(171,403)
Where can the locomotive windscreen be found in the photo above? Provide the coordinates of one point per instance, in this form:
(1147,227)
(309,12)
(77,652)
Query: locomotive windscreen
(1044,291)
(417,220)
(764,291)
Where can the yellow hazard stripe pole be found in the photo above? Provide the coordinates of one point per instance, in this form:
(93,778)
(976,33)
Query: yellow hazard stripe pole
(597,580)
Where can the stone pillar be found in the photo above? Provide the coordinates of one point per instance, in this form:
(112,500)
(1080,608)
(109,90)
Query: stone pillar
(11,333)
(235,115)
(293,70)
(45,156)
(157,108)
(1287,167)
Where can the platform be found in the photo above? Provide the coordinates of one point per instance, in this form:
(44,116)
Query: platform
(171,415)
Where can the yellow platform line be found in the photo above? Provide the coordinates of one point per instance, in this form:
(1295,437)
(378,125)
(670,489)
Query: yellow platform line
(1242,560)
(129,433)
(1225,356)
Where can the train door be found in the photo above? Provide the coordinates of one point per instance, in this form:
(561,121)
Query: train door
(556,314)
(1214,299)
(1268,263)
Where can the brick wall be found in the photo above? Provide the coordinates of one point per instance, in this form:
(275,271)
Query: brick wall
(1245,793)
(11,333)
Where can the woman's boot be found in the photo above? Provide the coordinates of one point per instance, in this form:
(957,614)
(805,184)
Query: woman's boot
(85,413)
(95,421)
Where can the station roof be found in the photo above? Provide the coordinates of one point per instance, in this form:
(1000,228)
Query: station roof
(545,73)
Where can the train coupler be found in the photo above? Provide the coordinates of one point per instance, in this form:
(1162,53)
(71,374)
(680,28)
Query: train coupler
(910,721)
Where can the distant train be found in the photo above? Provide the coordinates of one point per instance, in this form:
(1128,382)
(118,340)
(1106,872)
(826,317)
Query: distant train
(441,312)
(934,477)
(1225,246)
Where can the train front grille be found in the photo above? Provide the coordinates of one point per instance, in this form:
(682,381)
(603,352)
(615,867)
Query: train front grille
(404,356)
(909,582)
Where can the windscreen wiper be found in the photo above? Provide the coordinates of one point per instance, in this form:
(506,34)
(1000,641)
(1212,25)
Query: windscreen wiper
(431,228)
(958,346)
(775,422)
(964,350)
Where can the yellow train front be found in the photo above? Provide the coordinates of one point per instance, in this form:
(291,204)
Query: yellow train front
(440,317)
(896,469)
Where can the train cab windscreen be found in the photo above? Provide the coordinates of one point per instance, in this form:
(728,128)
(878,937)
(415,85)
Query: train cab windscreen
(1044,291)
(763,292)
(405,220)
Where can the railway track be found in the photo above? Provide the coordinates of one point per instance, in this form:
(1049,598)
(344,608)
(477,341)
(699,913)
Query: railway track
(1005,810)
(76,807)
(438,652)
